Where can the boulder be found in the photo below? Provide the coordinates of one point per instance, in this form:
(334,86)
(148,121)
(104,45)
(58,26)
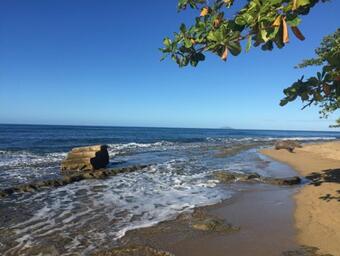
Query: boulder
(289,145)
(86,159)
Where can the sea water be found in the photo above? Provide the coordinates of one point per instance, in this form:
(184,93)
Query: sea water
(92,214)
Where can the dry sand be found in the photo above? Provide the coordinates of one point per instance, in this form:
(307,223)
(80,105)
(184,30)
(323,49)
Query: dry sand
(317,219)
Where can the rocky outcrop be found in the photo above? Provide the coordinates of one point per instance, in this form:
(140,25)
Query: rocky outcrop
(86,159)
(136,250)
(289,145)
(68,179)
(282,181)
(229,177)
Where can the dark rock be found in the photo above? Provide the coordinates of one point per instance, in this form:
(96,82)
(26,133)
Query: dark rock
(224,177)
(133,251)
(283,181)
(67,179)
(86,159)
(228,177)
(45,250)
(289,145)
(213,225)
(304,251)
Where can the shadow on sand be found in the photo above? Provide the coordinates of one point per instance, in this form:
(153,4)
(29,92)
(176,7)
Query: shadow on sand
(331,176)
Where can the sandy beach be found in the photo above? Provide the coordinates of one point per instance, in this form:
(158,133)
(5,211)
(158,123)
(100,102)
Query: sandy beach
(317,214)
(262,212)
(217,196)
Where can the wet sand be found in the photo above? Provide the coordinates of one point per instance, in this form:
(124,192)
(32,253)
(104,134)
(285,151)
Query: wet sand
(317,214)
(264,214)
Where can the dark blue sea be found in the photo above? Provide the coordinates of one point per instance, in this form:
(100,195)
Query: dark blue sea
(91,214)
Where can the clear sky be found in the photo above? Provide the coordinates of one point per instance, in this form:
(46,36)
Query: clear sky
(96,62)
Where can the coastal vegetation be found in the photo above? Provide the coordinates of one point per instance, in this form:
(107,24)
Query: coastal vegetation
(221,28)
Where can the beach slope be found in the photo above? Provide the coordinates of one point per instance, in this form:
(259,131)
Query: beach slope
(317,213)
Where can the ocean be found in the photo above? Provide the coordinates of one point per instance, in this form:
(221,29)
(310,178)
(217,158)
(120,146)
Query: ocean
(92,214)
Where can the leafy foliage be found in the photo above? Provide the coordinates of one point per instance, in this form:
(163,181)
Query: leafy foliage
(323,89)
(336,125)
(265,24)
(262,23)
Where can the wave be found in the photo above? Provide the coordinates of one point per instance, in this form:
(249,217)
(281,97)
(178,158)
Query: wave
(10,158)
(103,211)
(27,158)
(268,139)
(123,148)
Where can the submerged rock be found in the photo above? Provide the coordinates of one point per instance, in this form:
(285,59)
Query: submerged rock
(289,145)
(86,159)
(228,177)
(138,250)
(45,250)
(283,181)
(214,225)
(67,179)
(305,251)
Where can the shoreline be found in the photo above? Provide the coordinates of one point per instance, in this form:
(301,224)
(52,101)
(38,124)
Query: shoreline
(266,229)
(259,219)
(262,212)
(316,215)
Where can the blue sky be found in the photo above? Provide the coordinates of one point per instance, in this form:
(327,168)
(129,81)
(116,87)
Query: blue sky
(97,63)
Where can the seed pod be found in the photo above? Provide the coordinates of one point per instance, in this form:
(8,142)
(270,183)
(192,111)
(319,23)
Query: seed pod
(285,31)
(225,54)
(298,33)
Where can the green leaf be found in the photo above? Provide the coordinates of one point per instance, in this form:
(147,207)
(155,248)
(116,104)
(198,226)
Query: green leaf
(187,43)
(264,35)
(234,48)
(302,3)
(247,17)
(248,44)
(183,28)
(294,22)
(240,21)
(167,42)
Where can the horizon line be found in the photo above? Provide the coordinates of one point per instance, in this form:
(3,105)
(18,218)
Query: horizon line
(164,127)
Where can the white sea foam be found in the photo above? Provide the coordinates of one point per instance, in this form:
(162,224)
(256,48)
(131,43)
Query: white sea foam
(97,212)
(26,158)
(104,210)
(121,148)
